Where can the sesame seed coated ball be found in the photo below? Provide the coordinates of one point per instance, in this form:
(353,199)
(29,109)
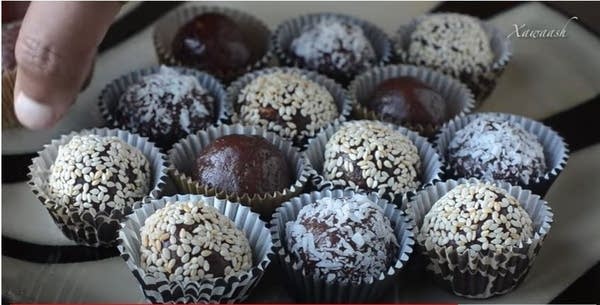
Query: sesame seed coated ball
(371,156)
(286,103)
(192,241)
(96,174)
(491,148)
(450,42)
(343,240)
(476,217)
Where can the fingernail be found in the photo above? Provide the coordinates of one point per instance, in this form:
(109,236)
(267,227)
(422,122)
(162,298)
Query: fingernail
(33,114)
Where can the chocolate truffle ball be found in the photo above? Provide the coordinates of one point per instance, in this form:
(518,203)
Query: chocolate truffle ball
(241,164)
(10,33)
(212,42)
(287,103)
(371,156)
(450,42)
(407,100)
(94,174)
(188,241)
(335,48)
(491,148)
(476,217)
(343,240)
(166,106)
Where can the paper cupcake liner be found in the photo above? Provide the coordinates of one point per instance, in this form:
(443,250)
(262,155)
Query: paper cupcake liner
(431,165)
(556,151)
(481,275)
(340,95)
(183,157)
(102,229)
(459,98)
(307,287)
(255,30)
(110,95)
(481,83)
(9,119)
(287,31)
(229,289)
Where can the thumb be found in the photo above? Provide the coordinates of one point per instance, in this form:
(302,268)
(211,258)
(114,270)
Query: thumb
(54,53)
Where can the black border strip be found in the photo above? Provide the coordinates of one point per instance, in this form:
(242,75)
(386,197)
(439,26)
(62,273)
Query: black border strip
(134,21)
(53,254)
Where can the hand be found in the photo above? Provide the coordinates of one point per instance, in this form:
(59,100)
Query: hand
(54,53)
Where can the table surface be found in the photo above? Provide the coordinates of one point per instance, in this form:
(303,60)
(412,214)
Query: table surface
(553,80)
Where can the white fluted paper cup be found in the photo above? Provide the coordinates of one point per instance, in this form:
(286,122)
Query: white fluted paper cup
(480,274)
(308,287)
(229,289)
(555,148)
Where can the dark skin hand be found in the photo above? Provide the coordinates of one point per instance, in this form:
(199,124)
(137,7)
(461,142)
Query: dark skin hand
(54,53)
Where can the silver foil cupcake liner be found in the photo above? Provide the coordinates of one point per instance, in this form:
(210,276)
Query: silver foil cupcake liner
(229,289)
(183,157)
(484,274)
(481,83)
(556,151)
(307,287)
(431,164)
(288,30)
(340,95)
(458,97)
(110,95)
(84,228)
(255,30)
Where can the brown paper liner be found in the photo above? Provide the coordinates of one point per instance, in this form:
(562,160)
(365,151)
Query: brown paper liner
(259,36)
(481,274)
(458,97)
(183,156)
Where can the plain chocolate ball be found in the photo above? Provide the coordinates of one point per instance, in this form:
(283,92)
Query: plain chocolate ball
(406,99)
(242,164)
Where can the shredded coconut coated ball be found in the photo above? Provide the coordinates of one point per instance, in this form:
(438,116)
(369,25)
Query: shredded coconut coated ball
(343,240)
(166,106)
(490,148)
(334,48)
